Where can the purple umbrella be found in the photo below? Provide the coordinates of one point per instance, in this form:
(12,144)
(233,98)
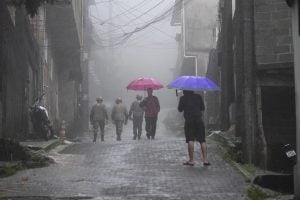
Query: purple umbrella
(194,83)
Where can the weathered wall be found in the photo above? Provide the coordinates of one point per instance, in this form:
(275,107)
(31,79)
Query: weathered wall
(212,99)
(19,53)
(274,59)
(47,72)
(200,18)
(63,36)
(273,32)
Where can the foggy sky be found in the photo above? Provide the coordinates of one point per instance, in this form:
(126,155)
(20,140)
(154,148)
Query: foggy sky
(150,53)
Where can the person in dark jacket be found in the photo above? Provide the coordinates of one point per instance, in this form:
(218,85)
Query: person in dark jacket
(192,107)
(136,113)
(152,107)
(98,116)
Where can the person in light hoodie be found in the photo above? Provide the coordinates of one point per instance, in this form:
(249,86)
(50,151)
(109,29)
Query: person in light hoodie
(136,113)
(119,115)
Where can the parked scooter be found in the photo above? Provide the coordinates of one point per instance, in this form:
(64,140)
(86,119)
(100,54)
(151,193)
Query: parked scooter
(40,119)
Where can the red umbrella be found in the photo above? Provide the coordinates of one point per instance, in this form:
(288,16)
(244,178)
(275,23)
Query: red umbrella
(144,83)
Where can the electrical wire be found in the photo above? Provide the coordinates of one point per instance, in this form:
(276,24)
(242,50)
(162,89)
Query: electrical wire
(163,16)
(153,26)
(134,7)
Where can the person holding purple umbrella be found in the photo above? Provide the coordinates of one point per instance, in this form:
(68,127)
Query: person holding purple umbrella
(192,106)
(152,108)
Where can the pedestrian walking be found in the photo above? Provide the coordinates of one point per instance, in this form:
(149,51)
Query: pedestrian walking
(152,108)
(192,106)
(119,115)
(136,113)
(98,117)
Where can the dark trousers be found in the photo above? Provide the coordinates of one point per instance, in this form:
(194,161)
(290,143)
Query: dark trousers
(150,126)
(96,125)
(137,126)
(119,128)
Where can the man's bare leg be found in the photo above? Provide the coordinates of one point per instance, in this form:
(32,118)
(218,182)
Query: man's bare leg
(191,152)
(204,153)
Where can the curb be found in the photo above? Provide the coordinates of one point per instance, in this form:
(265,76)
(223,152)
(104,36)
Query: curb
(226,144)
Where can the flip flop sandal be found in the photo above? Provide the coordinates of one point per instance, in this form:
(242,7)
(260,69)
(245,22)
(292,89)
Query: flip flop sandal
(188,163)
(206,164)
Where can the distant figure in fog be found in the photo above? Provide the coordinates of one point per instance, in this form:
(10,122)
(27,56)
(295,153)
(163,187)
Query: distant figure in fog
(119,115)
(137,113)
(152,108)
(98,116)
(192,106)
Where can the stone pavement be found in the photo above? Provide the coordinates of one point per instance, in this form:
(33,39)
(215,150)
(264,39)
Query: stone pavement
(128,169)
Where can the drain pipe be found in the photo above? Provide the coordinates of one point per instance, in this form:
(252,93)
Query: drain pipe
(184,37)
(261,127)
(295,5)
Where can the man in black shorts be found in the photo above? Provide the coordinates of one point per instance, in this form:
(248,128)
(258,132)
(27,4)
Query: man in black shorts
(192,106)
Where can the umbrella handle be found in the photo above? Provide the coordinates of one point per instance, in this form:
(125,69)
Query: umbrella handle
(176,93)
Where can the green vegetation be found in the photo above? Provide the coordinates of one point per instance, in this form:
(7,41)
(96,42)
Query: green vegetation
(9,170)
(36,162)
(233,156)
(249,168)
(254,193)
(53,145)
(34,159)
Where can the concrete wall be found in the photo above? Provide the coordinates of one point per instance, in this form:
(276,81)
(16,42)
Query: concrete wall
(199,20)
(19,56)
(48,72)
(63,34)
(212,99)
(274,59)
(273,32)
(79,12)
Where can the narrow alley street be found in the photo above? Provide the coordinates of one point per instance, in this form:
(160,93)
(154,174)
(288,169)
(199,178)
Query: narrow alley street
(128,169)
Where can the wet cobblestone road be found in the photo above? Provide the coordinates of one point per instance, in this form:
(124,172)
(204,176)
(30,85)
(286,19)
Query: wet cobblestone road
(128,169)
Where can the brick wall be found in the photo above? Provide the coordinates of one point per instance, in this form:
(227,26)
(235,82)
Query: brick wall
(273,32)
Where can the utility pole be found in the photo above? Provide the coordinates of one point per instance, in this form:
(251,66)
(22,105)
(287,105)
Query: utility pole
(227,63)
(111,68)
(239,69)
(296,42)
(249,80)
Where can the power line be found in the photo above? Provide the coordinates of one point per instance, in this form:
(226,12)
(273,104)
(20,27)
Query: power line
(163,16)
(156,5)
(153,26)
(134,7)
(128,10)
(159,3)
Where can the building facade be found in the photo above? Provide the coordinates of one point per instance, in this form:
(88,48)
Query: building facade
(41,54)
(19,65)
(257,79)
